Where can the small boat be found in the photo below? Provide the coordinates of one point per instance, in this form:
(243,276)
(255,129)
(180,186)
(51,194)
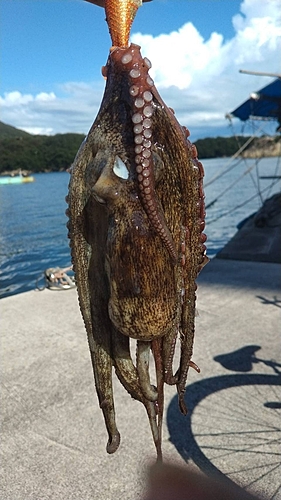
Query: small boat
(16,179)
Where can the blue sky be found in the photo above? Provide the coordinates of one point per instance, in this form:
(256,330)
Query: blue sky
(52,52)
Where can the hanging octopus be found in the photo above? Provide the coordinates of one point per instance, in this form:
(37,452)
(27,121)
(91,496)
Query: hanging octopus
(136,220)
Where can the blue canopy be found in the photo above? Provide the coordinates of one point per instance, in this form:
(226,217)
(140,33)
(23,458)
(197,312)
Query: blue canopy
(264,104)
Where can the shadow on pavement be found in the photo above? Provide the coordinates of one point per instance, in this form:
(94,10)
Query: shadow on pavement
(180,427)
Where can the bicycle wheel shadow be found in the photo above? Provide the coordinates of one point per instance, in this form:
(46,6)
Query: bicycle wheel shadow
(180,427)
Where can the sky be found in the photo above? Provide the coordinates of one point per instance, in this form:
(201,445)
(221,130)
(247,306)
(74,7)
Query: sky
(53,51)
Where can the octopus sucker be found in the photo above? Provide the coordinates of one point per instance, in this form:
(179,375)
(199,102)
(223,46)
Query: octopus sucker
(136,219)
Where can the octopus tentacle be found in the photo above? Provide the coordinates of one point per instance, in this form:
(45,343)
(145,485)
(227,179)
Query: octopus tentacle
(191,263)
(140,90)
(83,259)
(169,346)
(156,346)
(156,432)
(128,376)
(124,367)
(143,351)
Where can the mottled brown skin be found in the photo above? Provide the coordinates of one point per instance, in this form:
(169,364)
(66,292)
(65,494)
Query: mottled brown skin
(135,269)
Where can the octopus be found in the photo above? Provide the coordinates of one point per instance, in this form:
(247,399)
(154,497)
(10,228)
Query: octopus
(136,220)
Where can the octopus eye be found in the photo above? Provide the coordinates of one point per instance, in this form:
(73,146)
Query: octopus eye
(120,169)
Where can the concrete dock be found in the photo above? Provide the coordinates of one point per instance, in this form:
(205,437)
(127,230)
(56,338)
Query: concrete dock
(53,434)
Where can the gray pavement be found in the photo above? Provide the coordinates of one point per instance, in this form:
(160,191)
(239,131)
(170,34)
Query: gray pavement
(53,434)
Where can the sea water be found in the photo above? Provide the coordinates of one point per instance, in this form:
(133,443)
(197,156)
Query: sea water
(33,233)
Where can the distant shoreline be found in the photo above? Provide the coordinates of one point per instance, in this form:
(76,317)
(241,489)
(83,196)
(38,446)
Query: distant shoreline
(255,154)
(29,154)
(26,173)
(264,147)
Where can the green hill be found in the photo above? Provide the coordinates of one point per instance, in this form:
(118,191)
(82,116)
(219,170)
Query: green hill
(218,147)
(7,131)
(36,153)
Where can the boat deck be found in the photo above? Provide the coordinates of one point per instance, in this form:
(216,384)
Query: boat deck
(259,239)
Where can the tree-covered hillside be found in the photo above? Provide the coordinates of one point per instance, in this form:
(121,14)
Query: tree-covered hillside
(217,147)
(37,153)
(9,131)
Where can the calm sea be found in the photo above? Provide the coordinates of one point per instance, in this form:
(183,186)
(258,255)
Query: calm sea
(33,222)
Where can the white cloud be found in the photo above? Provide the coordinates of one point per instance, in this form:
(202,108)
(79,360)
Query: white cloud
(48,113)
(198,78)
(15,98)
(43,96)
(179,56)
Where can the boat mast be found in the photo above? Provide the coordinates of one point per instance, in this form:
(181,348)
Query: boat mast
(260,73)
